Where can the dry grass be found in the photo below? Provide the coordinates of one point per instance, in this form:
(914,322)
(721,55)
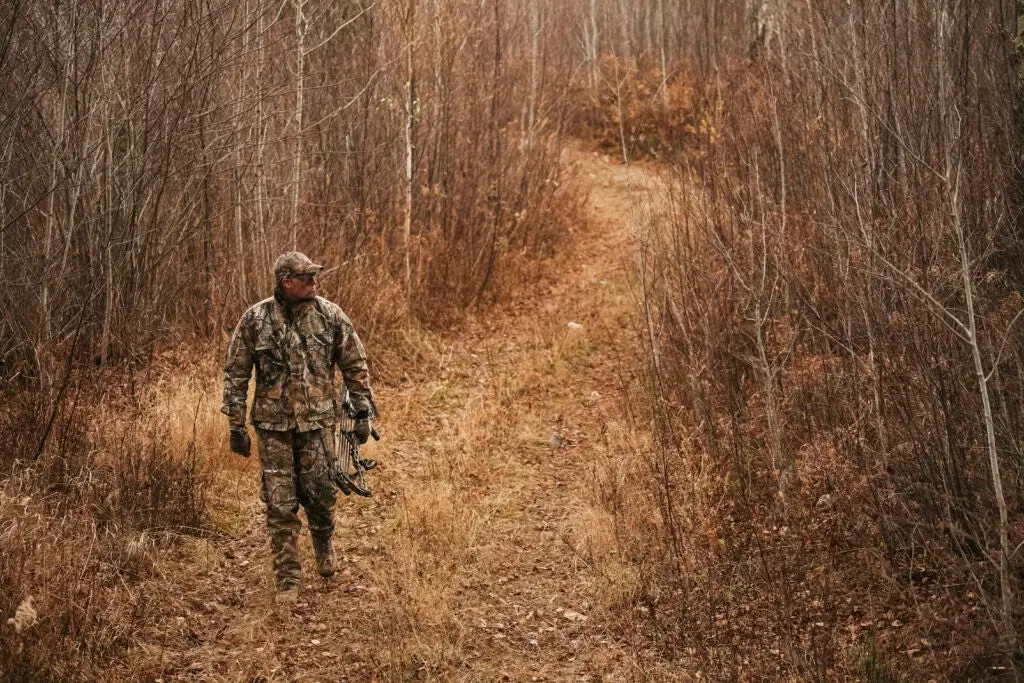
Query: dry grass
(84,525)
(496,540)
(476,443)
(816,502)
(485,551)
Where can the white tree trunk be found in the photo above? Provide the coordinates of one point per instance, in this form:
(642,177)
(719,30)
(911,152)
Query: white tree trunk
(593,47)
(300,69)
(531,109)
(664,57)
(410,112)
(262,245)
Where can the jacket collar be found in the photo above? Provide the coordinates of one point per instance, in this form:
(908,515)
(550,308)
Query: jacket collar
(290,309)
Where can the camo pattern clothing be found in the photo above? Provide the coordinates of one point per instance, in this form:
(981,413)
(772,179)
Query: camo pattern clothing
(295,470)
(294,348)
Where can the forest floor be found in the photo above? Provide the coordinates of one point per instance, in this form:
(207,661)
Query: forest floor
(485,553)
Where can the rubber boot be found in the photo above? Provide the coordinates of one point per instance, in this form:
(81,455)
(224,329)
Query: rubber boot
(287,596)
(324,550)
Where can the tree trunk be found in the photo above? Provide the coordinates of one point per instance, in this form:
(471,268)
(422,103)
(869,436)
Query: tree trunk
(300,68)
(410,112)
(593,46)
(664,58)
(1019,45)
(531,107)
(262,243)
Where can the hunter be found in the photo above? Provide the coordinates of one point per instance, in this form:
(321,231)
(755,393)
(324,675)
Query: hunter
(295,339)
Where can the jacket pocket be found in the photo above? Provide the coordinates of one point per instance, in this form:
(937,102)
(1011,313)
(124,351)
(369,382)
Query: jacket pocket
(318,358)
(267,409)
(322,410)
(271,367)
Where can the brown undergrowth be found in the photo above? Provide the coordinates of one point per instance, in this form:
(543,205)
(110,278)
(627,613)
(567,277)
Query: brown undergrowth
(819,500)
(484,552)
(82,525)
(133,506)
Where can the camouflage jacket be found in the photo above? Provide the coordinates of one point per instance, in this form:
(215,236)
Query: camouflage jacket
(294,348)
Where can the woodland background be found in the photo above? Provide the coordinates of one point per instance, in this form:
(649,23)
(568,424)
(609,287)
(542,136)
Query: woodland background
(831,303)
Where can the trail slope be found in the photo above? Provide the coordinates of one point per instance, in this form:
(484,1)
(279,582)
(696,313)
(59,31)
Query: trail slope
(483,554)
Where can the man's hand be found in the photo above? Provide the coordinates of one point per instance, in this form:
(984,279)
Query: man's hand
(362,430)
(240,442)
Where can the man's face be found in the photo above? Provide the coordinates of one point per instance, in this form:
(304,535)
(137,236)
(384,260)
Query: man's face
(299,287)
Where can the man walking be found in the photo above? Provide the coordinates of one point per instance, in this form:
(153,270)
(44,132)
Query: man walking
(294,340)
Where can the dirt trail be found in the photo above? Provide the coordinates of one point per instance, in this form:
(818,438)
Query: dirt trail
(480,555)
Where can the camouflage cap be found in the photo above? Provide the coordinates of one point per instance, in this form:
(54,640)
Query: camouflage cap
(293,263)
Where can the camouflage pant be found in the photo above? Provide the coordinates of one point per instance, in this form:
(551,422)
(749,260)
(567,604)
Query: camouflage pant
(296,470)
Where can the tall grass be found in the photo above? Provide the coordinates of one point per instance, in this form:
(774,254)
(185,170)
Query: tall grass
(83,524)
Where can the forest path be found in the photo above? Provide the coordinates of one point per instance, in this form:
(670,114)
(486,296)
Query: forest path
(484,553)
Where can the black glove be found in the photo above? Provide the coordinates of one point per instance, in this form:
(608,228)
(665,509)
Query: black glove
(240,442)
(362,430)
